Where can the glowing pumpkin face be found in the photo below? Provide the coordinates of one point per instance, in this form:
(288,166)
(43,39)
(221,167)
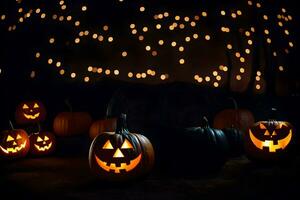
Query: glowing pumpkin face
(30,112)
(42,143)
(269,137)
(117,158)
(121,155)
(14,143)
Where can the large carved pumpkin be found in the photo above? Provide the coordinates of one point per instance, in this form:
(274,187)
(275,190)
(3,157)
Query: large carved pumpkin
(72,123)
(42,143)
(101,126)
(30,112)
(121,155)
(241,119)
(14,144)
(269,140)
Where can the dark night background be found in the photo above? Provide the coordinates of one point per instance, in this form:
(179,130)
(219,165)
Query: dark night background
(151,104)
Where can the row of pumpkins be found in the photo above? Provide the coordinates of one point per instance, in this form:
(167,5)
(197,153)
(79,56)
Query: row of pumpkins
(116,154)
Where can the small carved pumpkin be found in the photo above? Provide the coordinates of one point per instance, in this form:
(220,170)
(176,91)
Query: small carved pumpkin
(14,144)
(121,155)
(104,125)
(269,140)
(30,112)
(42,143)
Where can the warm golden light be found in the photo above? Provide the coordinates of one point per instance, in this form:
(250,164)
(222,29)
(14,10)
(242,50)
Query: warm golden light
(86,79)
(181,61)
(107,71)
(113,167)
(116,72)
(142,9)
(84,8)
(124,54)
(270,144)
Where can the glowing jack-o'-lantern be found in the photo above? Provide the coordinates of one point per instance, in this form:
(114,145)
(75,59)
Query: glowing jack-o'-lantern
(269,139)
(42,143)
(121,155)
(30,112)
(14,144)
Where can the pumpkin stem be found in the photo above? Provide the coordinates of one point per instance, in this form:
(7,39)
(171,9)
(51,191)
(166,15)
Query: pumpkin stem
(273,114)
(67,102)
(121,124)
(234,103)
(11,125)
(39,126)
(205,122)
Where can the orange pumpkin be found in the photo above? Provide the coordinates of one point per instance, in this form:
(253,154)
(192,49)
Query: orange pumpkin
(30,112)
(121,155)
(72,123)
(101,126)
(241,119)
(42,143)
(14,143)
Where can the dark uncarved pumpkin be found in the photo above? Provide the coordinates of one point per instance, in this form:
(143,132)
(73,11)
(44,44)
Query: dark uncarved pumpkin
(235,140)
(121,155)
(195,151)
(101,126)
(72,123)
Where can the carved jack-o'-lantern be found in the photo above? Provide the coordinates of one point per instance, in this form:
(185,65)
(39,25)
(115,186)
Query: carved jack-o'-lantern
(14,144)
(269,139)
(30,112)
(121,155)
(42,143)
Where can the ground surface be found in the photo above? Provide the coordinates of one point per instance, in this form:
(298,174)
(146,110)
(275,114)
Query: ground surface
(70,178)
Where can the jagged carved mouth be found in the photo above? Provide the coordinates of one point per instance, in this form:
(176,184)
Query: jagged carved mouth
(14,149)
(44,148)
(123,166)
(32,116)
(281,144)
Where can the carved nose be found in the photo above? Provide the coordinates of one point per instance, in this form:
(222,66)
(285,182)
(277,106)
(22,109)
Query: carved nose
(31,110)
(44,142)
(118,154)
(14,144)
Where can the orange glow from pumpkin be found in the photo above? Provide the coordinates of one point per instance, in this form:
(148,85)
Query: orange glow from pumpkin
(124,166)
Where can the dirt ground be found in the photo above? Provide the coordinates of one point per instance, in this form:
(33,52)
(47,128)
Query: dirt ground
(70,178)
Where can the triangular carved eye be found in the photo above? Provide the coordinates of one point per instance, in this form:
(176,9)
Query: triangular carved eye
(36,105)
(46,138)
(39,139)
(267,132)
(126,145)
(19,137)
(9,138)
(261,126)
(25,106)
(107,145)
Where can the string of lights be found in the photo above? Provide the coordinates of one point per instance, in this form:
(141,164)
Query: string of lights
(165,35)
